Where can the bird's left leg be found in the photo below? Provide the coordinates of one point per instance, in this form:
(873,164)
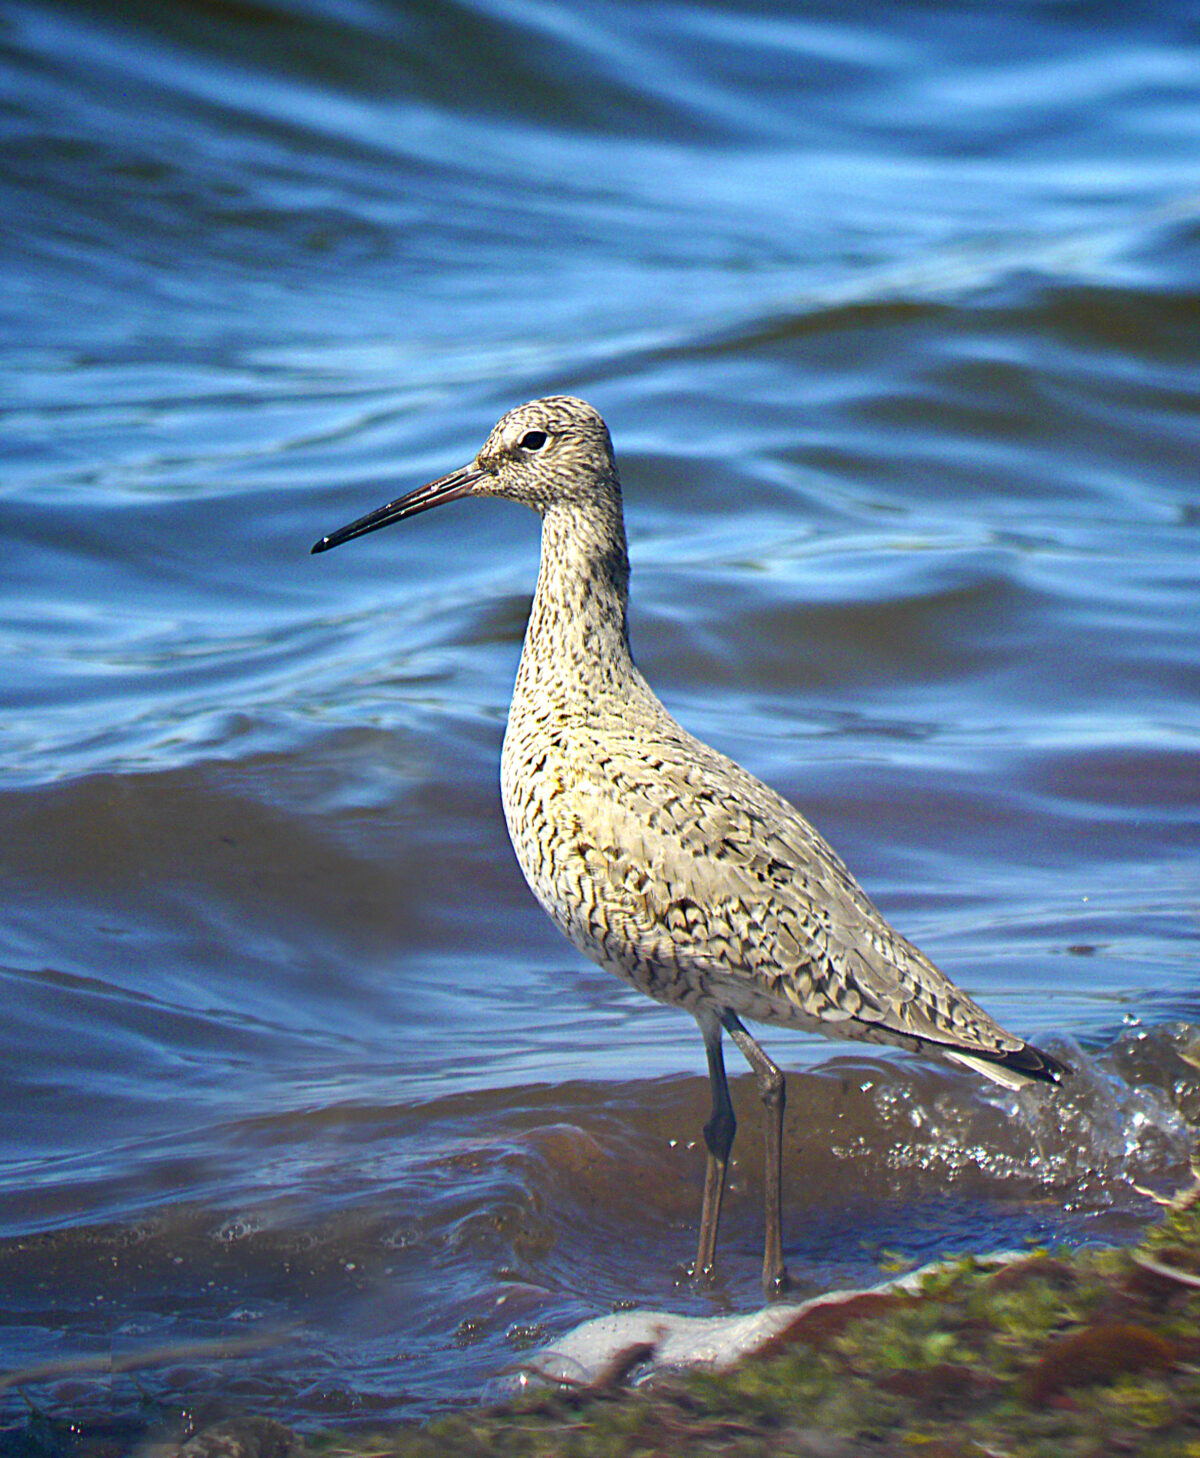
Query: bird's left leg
(772,1089)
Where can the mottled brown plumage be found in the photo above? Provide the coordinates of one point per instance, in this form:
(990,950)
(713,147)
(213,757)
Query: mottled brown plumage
(661,858)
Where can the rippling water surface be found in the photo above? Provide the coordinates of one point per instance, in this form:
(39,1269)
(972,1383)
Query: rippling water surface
(893,313)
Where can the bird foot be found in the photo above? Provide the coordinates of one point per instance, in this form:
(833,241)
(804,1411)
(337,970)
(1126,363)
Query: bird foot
(702,1277)
(776,1283)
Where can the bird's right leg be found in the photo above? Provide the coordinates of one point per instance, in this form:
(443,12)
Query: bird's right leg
(718,1136)
(772,1089)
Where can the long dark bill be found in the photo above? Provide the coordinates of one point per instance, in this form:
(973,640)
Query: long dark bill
(446,488)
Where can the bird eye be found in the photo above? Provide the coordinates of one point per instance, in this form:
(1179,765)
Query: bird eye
(533,440)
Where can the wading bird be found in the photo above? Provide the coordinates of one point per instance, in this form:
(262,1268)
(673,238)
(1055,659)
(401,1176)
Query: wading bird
(659,857)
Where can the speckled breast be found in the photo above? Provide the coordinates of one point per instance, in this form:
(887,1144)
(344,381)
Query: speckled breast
(555,806)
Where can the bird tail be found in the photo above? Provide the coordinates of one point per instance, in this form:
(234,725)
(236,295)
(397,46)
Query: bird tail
(1016,1069)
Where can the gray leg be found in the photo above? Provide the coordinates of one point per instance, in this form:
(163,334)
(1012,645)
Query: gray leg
(772,1089)
(718,1136)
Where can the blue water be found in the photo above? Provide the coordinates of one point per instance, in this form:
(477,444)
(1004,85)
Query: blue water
(893,314)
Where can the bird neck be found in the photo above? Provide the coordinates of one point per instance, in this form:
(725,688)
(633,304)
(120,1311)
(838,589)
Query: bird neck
(578,638)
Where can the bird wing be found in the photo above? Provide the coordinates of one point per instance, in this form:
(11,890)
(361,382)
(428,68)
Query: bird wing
(702,867)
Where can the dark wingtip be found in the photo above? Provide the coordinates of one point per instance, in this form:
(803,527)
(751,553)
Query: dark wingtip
(1033,1063)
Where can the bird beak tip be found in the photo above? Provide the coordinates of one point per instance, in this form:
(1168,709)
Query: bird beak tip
(446,488)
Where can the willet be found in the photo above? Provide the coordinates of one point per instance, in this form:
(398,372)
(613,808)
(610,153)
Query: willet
(659,857)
